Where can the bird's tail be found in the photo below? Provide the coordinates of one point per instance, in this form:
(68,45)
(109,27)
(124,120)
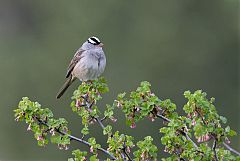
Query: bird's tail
(65,87)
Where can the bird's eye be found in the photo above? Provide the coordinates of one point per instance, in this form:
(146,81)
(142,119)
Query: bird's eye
(94,40)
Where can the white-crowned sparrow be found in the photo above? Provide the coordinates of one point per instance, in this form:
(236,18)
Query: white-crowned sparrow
(88,63)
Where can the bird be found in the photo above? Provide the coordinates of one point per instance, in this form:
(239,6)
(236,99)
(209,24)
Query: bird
(87,64)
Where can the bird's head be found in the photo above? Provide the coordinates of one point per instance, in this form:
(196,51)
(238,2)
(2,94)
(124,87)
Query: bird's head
(91,43)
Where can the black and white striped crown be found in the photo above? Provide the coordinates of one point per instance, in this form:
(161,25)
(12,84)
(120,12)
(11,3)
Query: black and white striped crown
(94,40)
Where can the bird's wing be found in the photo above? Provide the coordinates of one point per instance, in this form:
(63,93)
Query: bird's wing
(74,61)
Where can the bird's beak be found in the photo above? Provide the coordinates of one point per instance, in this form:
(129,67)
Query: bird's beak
(101,45)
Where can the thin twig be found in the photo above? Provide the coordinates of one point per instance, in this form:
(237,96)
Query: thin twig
(214,149)
(125,152)
(99,122)
(201,117)
(103,127)
(188,138)
(123,156)
(128,156)
(179,158)
(231,149)
(89,106)
(104,118)
(163,117)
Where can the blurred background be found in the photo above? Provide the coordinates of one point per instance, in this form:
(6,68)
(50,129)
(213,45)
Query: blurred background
(175,45)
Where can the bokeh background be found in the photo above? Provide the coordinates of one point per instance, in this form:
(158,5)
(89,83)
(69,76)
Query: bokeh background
(175,45)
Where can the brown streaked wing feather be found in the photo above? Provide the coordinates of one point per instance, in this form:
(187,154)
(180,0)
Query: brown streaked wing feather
(74,61)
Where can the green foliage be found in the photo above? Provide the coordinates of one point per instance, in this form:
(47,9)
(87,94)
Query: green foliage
(176,143)
(147,151)
(204,117)
(141,103)
(41,122)
(201,123)
(93,145)
(78,155)
(84,102)
(108,113)
(118,143)
(107,130)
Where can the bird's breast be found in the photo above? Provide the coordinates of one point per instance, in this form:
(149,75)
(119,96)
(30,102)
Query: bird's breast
(86,68)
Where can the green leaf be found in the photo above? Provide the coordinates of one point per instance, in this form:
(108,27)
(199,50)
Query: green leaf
(107,130)
(56,139)
(227,129)
(70,159)
(121,96)
(78,155)
(93,158)
(85,130)
(232,133)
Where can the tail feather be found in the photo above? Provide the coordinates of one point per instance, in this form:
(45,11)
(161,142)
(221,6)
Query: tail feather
(65,87)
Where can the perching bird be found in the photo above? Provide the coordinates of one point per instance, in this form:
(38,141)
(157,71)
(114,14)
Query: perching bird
(88,63)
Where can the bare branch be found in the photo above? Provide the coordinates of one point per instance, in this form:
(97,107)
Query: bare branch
(99,122)
(231,149)
(128,156)
(163,117)
(123,156)
(214,149)
(104,118)
(125,152)
(188,138)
